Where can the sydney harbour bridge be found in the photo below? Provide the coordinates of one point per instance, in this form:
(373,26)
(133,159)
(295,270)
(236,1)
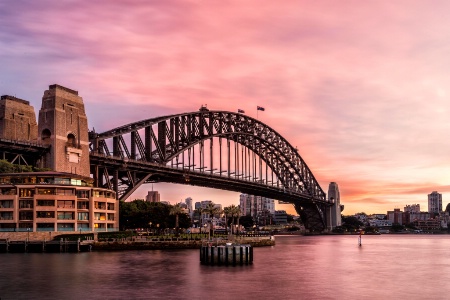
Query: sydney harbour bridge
(216,149)
(207,148)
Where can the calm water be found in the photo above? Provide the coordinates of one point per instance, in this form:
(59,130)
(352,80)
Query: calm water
(324,267)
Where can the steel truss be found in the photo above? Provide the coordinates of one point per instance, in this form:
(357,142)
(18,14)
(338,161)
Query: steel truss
(216,149)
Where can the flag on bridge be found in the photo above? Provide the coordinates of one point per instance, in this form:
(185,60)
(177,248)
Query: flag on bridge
(260,108)
(241,111)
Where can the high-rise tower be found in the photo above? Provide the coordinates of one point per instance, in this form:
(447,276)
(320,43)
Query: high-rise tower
(434,202)
(63,125)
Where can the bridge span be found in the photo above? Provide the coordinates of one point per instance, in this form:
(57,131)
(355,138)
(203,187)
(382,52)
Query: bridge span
(216,149)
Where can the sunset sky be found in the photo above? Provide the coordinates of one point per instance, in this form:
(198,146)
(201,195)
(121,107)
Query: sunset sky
(362,88)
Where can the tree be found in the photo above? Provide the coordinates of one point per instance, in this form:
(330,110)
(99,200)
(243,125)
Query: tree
(351,223)
(211,209)
(235,213)
(176,210)
(246,221)
(227,211)
(7,167)
(396,227)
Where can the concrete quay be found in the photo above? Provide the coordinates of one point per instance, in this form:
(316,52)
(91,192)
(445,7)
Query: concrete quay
(153,244)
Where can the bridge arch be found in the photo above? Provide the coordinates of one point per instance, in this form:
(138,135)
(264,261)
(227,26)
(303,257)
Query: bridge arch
(139,152)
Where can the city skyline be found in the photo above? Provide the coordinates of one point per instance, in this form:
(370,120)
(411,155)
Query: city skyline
(360,89)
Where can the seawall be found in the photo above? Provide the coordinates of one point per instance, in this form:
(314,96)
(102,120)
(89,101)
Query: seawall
(180,244)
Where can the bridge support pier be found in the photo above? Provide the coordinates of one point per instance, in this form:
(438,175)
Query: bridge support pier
(312,215)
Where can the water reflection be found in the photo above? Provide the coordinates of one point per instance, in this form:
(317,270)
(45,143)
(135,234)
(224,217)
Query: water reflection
(323,267)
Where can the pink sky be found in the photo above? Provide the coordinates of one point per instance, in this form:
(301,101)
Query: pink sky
(361,88)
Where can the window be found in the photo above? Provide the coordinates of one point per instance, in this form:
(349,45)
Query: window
(83,193)
(65,215)
(100,205)
(45,203)
(83,205)
(71,141)
(26,204)
(6,216)
(100,216)
(26,193)
(65,192)
(6,204)
(46,191)
(66,204)
(45,214)
(7,191)
(25,215)
(83,216)
(45,136)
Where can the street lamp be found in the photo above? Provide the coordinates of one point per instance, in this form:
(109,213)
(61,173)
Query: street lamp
(28,233)
(150,225)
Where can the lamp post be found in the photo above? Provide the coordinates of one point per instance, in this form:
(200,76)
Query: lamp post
(157,228)
(28,234)
(150,225)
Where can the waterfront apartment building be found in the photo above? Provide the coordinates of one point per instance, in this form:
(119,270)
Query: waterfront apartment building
(55,201)
(434,202)
(256,206)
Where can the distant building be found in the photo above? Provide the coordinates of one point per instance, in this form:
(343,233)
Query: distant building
(153,196)
(395,216)
(256,206)
(188,202)
(380,223)
(412,208)
(434,202)
(428,225)
(280,217)
(411,217)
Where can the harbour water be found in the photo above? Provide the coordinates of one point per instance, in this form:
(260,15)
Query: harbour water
(298,267)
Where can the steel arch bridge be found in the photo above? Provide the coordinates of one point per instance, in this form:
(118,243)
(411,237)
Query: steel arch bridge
(216,149)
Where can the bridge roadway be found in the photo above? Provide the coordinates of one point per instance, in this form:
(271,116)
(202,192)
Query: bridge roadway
(155,172)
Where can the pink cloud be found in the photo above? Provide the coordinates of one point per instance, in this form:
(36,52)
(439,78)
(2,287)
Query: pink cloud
(360,89)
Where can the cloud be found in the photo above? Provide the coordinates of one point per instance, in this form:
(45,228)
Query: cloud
(361,90)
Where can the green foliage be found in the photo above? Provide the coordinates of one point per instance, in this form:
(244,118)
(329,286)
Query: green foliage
(370,229)
(351,223)
(7,167)
(246,221)
(396,227)
(290,218)
(139,214)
